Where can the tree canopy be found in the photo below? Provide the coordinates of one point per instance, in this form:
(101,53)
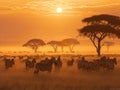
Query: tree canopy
(98,27)
(34,44)
(54,44)
(104,19)
(70,42)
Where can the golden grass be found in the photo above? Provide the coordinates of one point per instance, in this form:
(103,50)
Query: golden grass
(68,78)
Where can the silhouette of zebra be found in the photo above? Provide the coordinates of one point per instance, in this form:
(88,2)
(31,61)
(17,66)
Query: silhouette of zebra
(70,62)
(44,65)
(30,64)
(9,63)
(58,62)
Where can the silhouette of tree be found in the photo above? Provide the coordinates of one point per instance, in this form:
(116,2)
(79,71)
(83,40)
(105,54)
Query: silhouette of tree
(99,27)
(34,44)
(60,44)
(111,20)
(108,44)
(54,44)
(70,42)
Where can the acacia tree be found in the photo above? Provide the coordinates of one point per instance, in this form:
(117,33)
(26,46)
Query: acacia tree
(70,42)
(99,27)
(60,44)
(34,44)
(54,44)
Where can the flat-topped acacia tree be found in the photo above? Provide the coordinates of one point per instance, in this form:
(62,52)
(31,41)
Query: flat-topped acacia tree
(54,44)
(99,27)
(34,44)
(70,42)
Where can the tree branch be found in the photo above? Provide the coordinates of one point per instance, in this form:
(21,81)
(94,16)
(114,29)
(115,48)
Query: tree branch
(93,41)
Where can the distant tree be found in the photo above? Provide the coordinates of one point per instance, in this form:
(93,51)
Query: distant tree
(108,44)
(54,44)
(60,44)
(70,42)
(34,44)
(99,27)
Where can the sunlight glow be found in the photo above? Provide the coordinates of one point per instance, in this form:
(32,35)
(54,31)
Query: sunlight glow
(59,10)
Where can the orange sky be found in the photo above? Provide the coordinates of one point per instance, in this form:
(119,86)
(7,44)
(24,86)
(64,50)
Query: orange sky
(21,20)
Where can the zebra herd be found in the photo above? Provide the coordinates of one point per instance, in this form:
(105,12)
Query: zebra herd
(43,65)
(104,63)
(46,65)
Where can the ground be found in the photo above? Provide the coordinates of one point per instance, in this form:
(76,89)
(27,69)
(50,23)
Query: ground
(68,78)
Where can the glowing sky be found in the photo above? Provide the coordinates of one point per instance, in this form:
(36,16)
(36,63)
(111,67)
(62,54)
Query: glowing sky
(21,20)
(49,6)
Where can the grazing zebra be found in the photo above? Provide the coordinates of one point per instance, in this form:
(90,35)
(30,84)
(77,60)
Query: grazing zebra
(70,62)
(97,64)
(82,63)
(45,65)
(102,63)
(9,63)
(110,64)
(58,62)
(30,64)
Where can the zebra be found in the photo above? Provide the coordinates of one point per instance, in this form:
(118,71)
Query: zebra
(30,64)
(44,65)
(9,63)
(70,62)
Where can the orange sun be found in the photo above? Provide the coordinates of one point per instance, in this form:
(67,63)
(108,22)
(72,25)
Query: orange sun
(59,10)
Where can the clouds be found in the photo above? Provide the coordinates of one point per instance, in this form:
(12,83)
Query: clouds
(70,6)
(5,8)
(48,7)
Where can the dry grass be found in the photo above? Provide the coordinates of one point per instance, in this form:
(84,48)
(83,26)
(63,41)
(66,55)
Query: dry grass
(69,78)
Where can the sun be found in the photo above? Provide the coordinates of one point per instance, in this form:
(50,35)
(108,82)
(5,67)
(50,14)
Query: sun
(59,10)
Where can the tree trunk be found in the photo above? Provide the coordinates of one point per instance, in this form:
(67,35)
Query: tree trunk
(35,50)
(99,52)
(55,48)
(62,48)
(71,48)
(99,48)
(107,48)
